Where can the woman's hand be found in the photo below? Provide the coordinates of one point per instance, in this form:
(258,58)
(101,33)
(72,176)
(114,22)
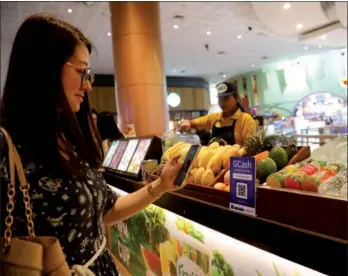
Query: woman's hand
(169,173)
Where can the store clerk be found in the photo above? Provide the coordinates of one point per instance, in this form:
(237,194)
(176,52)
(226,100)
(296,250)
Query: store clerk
(233,124)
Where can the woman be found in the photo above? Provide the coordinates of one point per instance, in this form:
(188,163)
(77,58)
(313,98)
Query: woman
(233,124)
(46,112)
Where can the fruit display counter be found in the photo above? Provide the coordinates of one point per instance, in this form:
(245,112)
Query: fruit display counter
(188,232)
(300,211)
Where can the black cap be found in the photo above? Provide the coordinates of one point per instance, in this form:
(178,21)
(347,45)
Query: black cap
(226,89)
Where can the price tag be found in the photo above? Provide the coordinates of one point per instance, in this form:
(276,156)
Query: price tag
(243,185)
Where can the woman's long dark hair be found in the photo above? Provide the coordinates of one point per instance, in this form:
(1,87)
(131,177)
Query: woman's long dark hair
(34,109)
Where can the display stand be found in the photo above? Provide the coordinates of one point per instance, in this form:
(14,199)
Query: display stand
(285,236)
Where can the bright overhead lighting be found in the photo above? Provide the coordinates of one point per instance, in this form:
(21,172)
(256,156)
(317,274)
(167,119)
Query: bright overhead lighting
(173,99)
(319,46)
(208,32)
(109,34)
(253,66)
(286,6)
(175,26)
(306,47)
(323,37)
(299,26)
(239,36)
(224,76)
(69,10)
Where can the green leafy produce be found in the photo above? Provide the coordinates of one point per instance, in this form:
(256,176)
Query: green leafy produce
(155,222)
(188,228)
(223,268)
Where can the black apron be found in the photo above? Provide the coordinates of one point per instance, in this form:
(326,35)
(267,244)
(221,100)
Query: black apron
(226,133)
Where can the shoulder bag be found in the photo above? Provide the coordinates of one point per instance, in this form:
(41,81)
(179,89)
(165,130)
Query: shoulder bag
(30,255)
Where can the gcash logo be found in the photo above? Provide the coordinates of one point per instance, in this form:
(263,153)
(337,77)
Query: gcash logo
(239,164)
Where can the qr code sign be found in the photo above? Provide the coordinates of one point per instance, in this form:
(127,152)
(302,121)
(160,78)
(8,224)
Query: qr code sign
(242,190)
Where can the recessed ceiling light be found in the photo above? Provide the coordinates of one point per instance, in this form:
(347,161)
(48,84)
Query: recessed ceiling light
(253,66)
(286,6)
(319,46)
(69,10)
(323,37)
(175,26)
(299,26)
(224,75)
(239,36)
(109,34)
(208,32)
(306,47)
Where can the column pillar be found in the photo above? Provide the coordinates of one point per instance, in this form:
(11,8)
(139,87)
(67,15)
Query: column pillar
(139,71)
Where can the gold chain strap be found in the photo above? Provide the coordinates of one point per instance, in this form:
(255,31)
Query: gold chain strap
(15,163)
(10,193)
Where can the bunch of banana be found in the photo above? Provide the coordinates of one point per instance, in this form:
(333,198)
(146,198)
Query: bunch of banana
(180,148)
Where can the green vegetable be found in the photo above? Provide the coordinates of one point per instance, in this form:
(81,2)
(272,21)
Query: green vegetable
(221,265)
(155,222)
(188,228)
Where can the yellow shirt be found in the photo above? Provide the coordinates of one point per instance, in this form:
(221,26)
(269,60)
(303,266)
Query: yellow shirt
(245,125)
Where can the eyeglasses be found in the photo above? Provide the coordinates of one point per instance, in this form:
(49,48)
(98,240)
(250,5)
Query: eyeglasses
(86,75)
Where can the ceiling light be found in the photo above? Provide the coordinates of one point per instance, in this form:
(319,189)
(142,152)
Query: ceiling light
(306,48)
(109,34)
(224,75)
(319,46)
(69,10)
(208,32)
(253,66)
(173,99)
(239,36)
(323,37)
(175,26)
(286,6)
(299,26)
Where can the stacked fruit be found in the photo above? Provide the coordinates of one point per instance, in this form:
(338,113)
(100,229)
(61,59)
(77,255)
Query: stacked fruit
(180,148)
(268,163)
(210,162)
(303,176)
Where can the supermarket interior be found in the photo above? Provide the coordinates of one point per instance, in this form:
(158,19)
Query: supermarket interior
(265,194)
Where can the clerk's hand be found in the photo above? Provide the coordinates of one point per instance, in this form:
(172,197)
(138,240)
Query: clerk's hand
(185,125)
(169,173)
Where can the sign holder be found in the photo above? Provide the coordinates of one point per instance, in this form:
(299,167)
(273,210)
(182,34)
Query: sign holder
(243,185)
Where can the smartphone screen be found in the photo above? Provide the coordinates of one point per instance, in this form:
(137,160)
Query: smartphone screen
(186,166)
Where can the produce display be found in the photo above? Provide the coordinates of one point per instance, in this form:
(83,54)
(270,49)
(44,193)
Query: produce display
(211,163)
(309,176)
(273,166)
(335,186)
(179,148)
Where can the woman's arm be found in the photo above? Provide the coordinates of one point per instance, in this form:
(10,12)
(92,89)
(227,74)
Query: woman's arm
(129,205)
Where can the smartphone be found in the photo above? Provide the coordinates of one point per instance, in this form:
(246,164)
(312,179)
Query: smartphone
(182,175)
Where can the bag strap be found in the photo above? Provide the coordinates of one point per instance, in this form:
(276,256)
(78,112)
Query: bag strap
(15,164)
